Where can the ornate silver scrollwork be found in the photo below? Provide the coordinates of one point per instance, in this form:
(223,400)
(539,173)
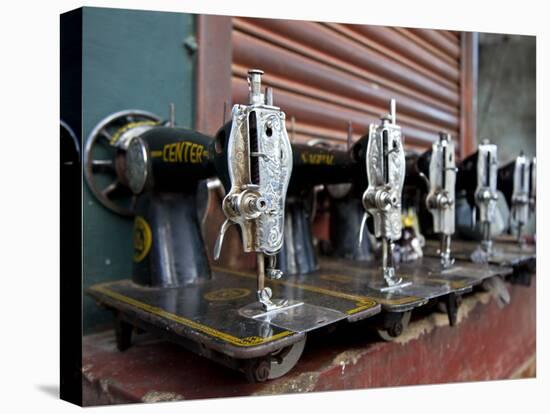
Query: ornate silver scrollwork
(519,213)
(440,200)
(385,161)
(486,195)
(533,185)
(520,196)
(259,157)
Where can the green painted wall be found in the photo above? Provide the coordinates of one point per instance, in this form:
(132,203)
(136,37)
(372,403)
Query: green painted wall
(131,60)
(507,93)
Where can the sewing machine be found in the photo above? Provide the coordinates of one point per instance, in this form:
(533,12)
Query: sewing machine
(517,181)
(350,265)
(477,181)
(514,181)
(431,187)
(440,199)
(254,322)
(436,195)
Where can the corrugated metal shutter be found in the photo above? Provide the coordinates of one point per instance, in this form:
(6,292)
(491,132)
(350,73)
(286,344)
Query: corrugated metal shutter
(326,75)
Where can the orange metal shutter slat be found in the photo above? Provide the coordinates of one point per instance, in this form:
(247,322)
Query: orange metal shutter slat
(307,51)
(408,48)
(326,75)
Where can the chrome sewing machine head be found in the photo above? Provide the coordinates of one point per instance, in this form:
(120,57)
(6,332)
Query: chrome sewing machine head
(259,158)
(385,161)
(486,195)
(440,200)
(520,202)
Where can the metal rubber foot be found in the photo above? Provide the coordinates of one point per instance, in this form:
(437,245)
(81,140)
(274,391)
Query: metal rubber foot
(123,333)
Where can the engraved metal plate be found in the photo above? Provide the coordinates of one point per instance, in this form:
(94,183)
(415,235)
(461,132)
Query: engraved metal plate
(385,162)
(440,199)
(274,166)
(486,195)
(520,194)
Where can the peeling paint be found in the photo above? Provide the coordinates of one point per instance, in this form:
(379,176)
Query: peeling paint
(347,357)
(527,370)
(86,372)
(105,384)
(160,396)
(304,382)
(425,325)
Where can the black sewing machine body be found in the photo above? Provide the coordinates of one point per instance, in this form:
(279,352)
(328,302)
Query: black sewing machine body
(430,191)
(348,266)
(504,252)
(257,322)
(174,290)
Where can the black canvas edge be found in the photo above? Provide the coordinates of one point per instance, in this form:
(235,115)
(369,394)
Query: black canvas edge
(71,208)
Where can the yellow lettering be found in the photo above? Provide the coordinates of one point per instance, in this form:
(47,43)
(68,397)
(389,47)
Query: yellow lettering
(180,150)
(200,150)
(183,151)
(173,153)
(193,153)
(186,151)
(316,159)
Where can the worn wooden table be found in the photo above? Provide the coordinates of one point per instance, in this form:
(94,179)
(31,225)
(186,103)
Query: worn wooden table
(489,342)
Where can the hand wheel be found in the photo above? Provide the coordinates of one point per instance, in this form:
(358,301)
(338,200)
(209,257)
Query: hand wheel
(104,157)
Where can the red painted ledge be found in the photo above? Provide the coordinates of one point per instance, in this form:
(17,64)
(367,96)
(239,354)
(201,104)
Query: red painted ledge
(488,343)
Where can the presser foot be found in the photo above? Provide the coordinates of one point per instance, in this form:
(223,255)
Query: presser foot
(262,310)
(480,256)
(268,305)
(446,260)
(390,281)
(483,252)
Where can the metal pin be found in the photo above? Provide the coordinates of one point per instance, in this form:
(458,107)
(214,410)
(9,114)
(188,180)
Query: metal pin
(255,95)
(261,271)
(350,135)
(384,253)
(392,111)
(172,114)
(269,96)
